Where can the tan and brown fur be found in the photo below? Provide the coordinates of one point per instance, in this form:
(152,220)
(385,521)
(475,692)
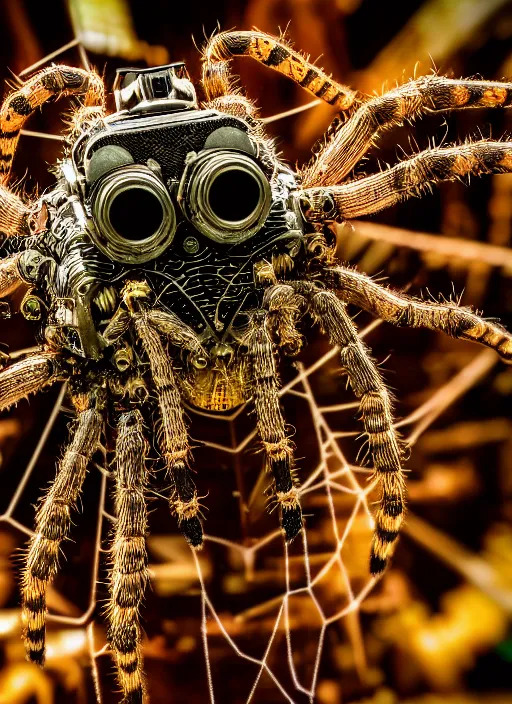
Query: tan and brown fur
(349,143)
(172,432)
(50,83)
(274,53)
(277,445)
(53,523)
(411,177)
(402,310)
(28,376)
(375,405)
(129,572)
(14,214)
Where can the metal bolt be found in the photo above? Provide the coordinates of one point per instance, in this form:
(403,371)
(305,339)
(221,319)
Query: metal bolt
(191,245)
(32,308)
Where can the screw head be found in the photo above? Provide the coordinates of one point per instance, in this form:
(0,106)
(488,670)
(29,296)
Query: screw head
(31,308)
(190,245)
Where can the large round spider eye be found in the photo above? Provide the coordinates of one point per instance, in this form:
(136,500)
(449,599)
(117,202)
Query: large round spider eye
(225,195)
(133,213)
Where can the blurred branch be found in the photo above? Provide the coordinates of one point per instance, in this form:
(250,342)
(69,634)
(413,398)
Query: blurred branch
(469,434)
(421,39)
(448,247)
(444,397)
(474,568)
(106,27)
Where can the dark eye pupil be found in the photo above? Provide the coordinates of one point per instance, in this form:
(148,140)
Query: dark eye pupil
(136,214)
(234,195)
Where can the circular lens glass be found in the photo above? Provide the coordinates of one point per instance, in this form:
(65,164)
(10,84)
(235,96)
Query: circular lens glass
(136,214)
(134,218)
(234,195)
(225,195)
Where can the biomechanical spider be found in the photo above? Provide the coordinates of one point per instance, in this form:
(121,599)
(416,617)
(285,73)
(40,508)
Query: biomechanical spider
(175,257)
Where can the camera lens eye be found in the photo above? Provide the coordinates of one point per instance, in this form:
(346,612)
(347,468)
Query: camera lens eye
(136,214)
(234,195)
(133,214)
(225,195)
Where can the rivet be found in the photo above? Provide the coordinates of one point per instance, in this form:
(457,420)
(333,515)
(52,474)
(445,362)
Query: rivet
(191,245)
(31,308)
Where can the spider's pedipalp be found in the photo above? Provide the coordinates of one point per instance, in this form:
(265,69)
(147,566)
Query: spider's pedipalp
(285,309)
(271,426)
(400,309)
(117,327)
(53,522)
(129,573)
(411,177)
(427,94)
(50,83)
(274,53)
(172,436)
(178,333)
(376,414)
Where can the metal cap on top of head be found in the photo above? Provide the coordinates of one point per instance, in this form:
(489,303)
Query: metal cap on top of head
(160,88)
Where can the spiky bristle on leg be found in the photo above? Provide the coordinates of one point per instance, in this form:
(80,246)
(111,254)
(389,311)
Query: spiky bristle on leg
(53,523)
(271,427)
(129,572)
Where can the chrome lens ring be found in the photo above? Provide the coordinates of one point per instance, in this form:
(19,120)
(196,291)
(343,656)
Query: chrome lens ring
(205,175)
(130,249)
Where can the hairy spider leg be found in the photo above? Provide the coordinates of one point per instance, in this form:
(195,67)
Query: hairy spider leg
(405,311)
(411,177)
(172,432)
(376,411)
(274,53)
(271,426)
(351,141)
(14,214)
(168,324)
(28,376)
(285,309)
(53,522)
(129,572)
(50,83)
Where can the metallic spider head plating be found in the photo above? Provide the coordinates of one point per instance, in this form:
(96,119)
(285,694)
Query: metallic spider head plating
(191,201)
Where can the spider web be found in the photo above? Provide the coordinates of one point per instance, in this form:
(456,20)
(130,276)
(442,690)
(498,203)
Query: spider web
(333,481)
(333,477)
